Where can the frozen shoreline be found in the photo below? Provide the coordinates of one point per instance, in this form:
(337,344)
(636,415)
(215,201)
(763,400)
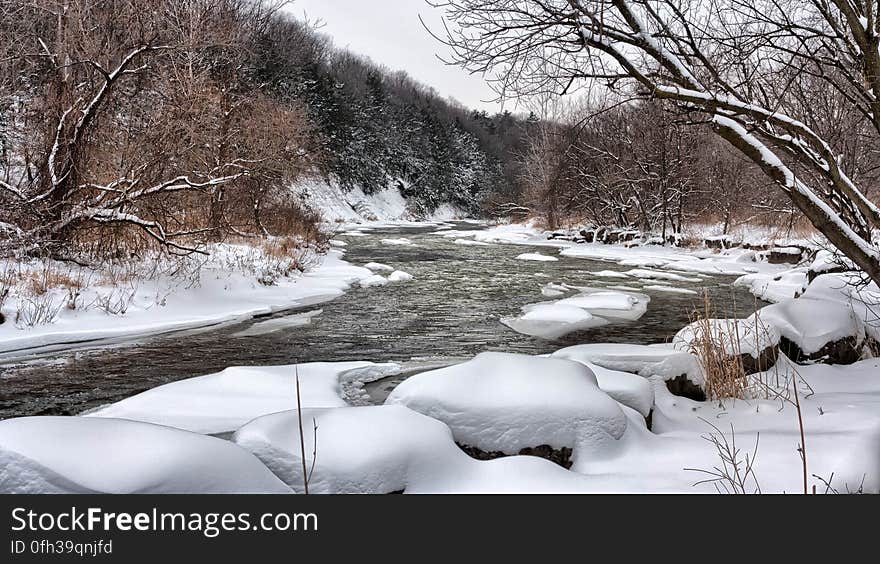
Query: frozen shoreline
(494,423)
(221,296)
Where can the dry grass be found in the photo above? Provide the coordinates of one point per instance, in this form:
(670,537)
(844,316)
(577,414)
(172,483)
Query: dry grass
(718,347)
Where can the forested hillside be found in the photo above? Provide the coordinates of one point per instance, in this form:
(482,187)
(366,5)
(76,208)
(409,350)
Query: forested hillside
(379,128)
(184,122)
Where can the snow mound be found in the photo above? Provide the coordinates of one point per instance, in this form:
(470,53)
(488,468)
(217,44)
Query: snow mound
(379,266)
(775,288)
(223,402)
(338,243)
(90,455)
(399,276)
(645,360)
(631,390)
(811,324)
(506,402)
(373,449)
(536,257)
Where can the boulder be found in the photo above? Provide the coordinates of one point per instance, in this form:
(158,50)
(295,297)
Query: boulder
(560,456)
(784,255)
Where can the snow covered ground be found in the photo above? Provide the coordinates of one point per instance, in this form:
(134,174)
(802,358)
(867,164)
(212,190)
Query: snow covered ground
(497,402)
(650,262)
(588,406)
(227,288)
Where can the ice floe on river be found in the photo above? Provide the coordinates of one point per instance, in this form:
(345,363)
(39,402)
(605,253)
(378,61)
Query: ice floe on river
(537,257)
(591,308)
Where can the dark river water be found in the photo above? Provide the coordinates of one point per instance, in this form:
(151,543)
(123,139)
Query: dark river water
(449,312)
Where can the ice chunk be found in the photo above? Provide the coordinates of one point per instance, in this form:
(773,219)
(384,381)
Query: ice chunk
(401,241)
(279,324)
(669,289)
(657,275)
(536,257)
(468,242)
(399,276)
(610,274)
(610,304)
(552,320)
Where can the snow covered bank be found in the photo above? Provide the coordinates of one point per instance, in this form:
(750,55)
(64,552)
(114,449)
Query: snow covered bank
(87,455)
(641,258)
(354,206)
(223,402)
(228,287)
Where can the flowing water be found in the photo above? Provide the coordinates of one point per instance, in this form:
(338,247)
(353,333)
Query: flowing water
(449,312)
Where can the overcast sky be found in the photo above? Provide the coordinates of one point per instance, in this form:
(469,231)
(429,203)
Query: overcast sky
(389,32)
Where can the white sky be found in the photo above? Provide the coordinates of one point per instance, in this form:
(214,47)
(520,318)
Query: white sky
(390,33)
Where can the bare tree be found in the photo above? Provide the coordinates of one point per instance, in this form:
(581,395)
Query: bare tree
(139,120)
(736,61)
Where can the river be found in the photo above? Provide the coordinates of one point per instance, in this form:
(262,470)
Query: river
(450,311)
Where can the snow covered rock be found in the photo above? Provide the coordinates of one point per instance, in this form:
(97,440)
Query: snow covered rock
(374,280)
(373,449)
(753,340)
(645,360)
(816,330)
(223,402)
(92,455)
(399,276)
(508,402)
(374,266)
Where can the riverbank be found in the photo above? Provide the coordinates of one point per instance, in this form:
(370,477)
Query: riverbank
(601,417)
(53,304)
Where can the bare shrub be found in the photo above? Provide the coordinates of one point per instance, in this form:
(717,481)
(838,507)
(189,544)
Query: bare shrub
(736,473)
(37,310)
(720,343)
